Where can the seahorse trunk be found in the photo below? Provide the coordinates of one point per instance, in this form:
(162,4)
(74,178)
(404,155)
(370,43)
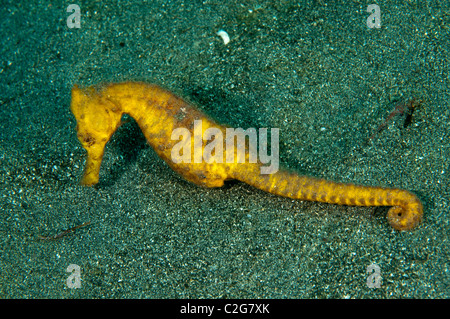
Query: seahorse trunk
(405,214)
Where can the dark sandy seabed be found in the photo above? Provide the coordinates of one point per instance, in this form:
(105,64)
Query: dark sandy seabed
(311,68)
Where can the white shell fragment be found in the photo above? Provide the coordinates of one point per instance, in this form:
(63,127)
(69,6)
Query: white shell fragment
(224,35)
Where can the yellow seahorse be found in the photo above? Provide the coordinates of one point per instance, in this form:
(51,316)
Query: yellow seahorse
(158,112)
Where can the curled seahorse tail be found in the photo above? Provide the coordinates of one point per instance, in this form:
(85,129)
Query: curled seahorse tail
(405,214)
(408,215)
